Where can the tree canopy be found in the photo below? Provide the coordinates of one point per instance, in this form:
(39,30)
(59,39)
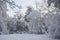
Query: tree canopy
(11,3)
(56,3)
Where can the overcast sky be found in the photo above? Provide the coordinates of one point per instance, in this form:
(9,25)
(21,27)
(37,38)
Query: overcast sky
(24,4)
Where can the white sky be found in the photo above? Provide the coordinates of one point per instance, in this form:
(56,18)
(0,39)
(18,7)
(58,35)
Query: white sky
(24,4)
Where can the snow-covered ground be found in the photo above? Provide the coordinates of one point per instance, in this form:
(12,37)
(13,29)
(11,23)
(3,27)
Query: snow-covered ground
(25,37)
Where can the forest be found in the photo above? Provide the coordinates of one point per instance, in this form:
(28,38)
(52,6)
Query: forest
(41,19)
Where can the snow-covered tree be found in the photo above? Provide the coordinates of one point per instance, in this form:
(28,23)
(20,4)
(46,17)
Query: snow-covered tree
(35,21)
(56,3)
(3,14)
(29,9)
(53,20)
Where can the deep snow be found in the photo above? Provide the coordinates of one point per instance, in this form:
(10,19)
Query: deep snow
(25,37)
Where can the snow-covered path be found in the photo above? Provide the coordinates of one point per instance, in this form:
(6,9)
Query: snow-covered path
(24,37)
